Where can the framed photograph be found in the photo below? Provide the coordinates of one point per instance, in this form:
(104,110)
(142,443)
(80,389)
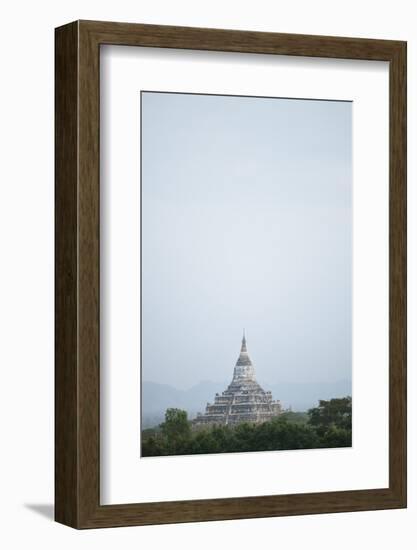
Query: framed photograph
(230,274)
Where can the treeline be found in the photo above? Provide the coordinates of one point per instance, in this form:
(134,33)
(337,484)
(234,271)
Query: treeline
(325,426)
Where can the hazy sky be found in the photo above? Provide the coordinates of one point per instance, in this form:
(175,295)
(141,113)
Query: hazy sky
(246,222)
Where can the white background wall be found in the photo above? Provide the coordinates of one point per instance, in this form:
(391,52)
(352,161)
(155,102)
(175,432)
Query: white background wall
(26,272)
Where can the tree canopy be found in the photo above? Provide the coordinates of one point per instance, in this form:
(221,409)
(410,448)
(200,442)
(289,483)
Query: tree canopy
(328,425)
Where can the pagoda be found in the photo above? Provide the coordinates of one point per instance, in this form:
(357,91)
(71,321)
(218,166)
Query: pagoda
(243,401)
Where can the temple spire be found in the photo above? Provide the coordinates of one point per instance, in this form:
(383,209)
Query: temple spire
(243,348)
(244,369)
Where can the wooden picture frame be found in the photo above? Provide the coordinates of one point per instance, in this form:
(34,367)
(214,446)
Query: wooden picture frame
(77,360)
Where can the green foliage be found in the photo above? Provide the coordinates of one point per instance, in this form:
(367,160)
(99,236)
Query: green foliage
(294,417)
(176,431)
(336,437)
(176,424)
(152,446)
(328,425)
(333,422)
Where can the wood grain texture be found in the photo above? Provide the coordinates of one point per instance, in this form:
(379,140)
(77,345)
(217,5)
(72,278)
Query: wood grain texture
(78,267)
(398,272)
(66,274)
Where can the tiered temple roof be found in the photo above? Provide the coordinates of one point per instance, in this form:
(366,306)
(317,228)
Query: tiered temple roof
(243,401)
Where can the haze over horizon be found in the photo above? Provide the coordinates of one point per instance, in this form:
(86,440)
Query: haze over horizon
(246,223)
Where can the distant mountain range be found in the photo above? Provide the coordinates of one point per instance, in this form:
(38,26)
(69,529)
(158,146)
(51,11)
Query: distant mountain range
(300,396)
